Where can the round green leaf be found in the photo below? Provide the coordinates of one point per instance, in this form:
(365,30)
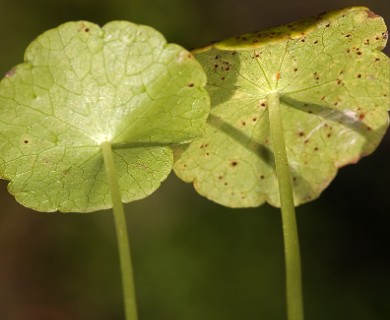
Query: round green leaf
(333,83)
(82,85)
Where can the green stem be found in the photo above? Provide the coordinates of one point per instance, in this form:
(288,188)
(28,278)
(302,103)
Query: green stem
(123,241)
(290,231)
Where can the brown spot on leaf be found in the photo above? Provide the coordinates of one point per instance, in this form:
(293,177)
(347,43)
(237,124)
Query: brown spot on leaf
(371,15)
(262,177)
(10,73)
(233,163)
(191,85)
(301,133)
(25,141)
(204,145)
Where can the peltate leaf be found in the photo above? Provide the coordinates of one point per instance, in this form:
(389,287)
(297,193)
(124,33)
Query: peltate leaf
(82,85)
(333,83)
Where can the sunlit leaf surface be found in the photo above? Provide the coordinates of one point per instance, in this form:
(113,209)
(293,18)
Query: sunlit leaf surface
(82,85)
(333,83)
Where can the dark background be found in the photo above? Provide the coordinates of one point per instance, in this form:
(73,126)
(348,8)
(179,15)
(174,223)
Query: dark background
(194,259)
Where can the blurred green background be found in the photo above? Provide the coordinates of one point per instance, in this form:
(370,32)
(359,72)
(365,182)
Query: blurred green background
(194,259)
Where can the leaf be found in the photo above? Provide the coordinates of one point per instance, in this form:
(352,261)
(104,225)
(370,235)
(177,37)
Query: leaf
(333,84)
(82,85)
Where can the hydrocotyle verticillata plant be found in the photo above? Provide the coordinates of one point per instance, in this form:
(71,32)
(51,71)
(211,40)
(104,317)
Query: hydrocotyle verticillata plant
(289,106)
(88,120)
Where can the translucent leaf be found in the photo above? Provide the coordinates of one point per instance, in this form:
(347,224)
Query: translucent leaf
(333,83)
(82,85)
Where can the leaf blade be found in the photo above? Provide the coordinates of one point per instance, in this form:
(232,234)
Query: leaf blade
(336,53)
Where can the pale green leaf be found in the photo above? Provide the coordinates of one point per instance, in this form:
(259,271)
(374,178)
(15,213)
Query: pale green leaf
(334,87)
(82,85)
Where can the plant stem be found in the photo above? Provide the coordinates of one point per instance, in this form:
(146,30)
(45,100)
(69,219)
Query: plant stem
(122,237)
(290,231)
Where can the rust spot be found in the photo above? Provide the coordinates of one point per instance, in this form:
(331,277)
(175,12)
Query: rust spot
(362,116)
(10,73)
(277,76)
(371,15)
